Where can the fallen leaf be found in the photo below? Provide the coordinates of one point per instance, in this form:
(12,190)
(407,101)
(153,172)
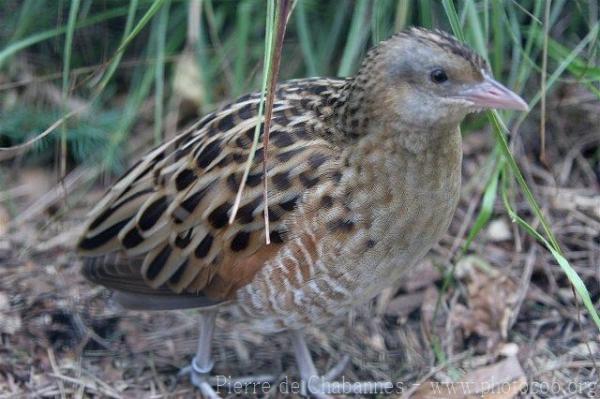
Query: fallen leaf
(502,380)
(491,296)
(188,83)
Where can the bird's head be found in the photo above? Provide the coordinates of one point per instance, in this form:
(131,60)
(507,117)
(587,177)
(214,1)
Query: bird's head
(424,79)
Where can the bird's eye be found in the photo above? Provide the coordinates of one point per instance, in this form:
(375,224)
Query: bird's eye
(438,75)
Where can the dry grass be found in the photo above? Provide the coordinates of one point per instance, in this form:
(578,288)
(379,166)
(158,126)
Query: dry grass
(61,337)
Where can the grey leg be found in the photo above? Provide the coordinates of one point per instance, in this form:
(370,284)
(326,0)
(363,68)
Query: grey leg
(312,383)
(202,363)
(318,387)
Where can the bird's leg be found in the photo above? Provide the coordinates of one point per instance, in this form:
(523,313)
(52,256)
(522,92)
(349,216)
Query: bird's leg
(319,387)
(202,363)
(311,381)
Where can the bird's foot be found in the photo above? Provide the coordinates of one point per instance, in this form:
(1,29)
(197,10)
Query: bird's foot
(199,377)
(206,383)
(324,387)
(320,387)
(337,370)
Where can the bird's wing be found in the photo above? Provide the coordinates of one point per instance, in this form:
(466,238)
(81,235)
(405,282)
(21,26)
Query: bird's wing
(170,211)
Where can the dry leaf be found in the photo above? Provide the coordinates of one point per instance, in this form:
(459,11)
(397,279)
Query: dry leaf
(188,83)
(491,297)
(430,299)
(502,380)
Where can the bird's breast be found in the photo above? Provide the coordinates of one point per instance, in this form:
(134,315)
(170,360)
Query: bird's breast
(356,234)
(401,204)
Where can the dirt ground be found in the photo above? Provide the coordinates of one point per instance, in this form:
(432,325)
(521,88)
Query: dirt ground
(506,326)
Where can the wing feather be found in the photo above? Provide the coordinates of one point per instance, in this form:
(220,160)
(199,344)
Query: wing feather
(171,209)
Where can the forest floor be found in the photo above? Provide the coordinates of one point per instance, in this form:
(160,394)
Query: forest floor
(506,326)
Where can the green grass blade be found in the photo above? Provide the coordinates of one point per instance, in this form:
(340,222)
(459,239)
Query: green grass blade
(563,66)
(524,71)
(202,54)
(550,242)
(577,67)
(283,10)
(156,5)
(402,14)
(14,48)
(159,71)
(117,57)
(564,264)
(486,19)
(425,14)
(356,38)
(143,79)
(476,32)
(215,21)
(487,203)
(305,39)
(579,285)
(242,36)
(333,35)
(497,18)
(27,17)
(381,23)
(453,19)
(269,37)
(498,129)
(73,10)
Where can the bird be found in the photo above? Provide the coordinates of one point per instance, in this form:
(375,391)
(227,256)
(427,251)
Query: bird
(363,175)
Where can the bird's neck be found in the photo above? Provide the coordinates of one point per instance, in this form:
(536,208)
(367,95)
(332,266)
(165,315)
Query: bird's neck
(351,109)
(358,115)
(433,157)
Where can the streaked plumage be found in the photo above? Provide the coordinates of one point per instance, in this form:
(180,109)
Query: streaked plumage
(364,177)
(169,214)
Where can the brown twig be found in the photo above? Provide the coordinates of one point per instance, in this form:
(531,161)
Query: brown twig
(524,281)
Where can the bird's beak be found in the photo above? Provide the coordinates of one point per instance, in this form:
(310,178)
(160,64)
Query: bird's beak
(491,94)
